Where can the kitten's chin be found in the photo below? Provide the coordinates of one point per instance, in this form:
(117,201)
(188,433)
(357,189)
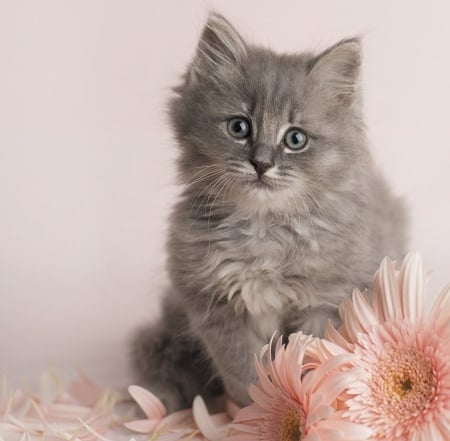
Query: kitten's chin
(258,184)
(261,196)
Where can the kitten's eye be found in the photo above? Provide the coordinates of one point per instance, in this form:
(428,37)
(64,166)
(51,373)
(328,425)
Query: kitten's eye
(239,127)
(296,140)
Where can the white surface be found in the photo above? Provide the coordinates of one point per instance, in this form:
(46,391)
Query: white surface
(86,159)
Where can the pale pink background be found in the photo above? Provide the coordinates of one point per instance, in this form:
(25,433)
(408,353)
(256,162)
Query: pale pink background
(86,158)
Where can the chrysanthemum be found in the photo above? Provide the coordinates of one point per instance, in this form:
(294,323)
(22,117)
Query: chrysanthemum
(404,351)
(291,405)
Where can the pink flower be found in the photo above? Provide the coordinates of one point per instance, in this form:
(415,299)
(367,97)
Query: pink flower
(291,404)
(405,353)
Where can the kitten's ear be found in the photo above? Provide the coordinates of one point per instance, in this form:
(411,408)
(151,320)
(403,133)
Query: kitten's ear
(220,47)
(336,71)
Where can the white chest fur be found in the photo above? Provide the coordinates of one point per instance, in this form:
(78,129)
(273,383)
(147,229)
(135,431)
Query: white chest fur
(257,265)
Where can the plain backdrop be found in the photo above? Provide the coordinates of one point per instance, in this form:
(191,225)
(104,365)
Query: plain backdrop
(87,161)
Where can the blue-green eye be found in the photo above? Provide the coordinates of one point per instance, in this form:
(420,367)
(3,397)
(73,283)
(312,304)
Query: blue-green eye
(239,127)
(296,140)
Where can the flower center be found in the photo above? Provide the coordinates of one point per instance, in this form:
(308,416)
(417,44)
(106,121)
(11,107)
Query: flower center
(403,383)
(292,425)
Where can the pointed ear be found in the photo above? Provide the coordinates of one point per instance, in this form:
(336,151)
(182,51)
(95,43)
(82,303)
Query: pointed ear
(220,47)
(337,70)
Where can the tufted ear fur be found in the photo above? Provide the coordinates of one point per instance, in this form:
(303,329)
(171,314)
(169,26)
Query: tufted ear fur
(336,71)
(220,48)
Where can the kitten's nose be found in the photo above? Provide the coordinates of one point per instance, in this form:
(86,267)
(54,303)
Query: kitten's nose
(260,166)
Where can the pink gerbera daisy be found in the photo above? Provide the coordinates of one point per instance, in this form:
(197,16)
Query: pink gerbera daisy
(404,351)
(293,405)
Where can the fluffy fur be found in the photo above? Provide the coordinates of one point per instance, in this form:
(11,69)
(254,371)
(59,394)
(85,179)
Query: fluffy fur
(249,255)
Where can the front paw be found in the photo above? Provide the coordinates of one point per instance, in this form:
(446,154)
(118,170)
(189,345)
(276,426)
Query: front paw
(237,391)
(169,396)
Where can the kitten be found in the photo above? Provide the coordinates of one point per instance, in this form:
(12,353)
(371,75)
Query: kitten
(283,211)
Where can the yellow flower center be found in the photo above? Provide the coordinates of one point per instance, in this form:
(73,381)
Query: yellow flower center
(403,383)
(292,425)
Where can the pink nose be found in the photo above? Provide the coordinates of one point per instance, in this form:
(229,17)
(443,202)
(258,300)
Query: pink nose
(260,167)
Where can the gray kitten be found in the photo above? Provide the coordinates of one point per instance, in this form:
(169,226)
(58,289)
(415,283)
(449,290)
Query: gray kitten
(283,211)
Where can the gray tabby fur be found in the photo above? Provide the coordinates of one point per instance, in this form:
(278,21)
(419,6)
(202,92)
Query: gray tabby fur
(246,259)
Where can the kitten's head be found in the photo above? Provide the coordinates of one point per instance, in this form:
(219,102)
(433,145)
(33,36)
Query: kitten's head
(265,130)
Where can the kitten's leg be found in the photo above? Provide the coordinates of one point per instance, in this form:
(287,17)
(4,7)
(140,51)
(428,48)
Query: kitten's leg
(312,320)
(172,363)
(232,346)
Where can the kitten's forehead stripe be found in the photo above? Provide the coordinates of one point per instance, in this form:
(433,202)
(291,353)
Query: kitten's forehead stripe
(269,127)
(292,115)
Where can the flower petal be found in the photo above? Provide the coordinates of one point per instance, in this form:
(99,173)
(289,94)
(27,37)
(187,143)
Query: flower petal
(345,430)
(84,390)
(259,397)
(149,403)
(333,386)
(378,298)
(335,337)
(249,413)
(350,322)
(242,437)
(142,426)
(390,293)
(174,418)
(412,281)
(363,311)
(48,388)
(232,408)
(440,313)
(313,380)
(204,420)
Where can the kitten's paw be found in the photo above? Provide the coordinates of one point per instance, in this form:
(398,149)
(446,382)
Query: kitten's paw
(170,397)
(237,391)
